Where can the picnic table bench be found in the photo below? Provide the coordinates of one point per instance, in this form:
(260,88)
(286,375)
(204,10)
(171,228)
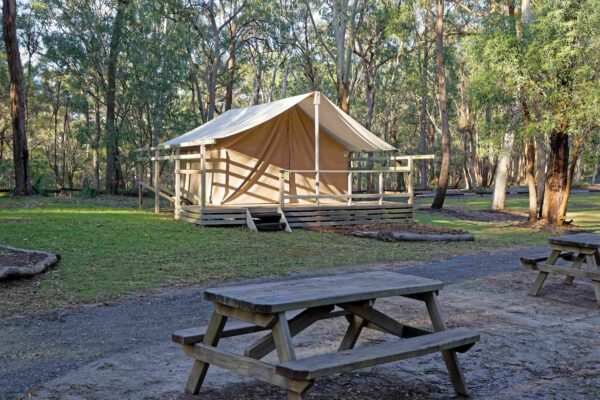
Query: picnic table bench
(578,249)
(286,308)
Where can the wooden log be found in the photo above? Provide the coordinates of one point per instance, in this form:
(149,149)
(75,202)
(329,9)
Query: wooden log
(415,237)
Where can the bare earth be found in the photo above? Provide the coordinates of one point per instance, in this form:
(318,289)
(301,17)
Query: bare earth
(531,347)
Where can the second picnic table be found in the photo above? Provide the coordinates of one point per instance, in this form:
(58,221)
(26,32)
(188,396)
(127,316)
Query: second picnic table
(286,308)
(577,249)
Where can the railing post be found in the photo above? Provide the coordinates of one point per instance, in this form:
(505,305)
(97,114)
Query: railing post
(350,188)
(281,188)
(177,183)
(316,102)
(203,177)
(156,181)
(409,181)
(381,188)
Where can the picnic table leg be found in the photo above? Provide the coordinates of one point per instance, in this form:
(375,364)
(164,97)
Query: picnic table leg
(594,261)
(450,357)
(352,333)
(577,263)
(285,350)
(541,278)
(305,319)
(199,369)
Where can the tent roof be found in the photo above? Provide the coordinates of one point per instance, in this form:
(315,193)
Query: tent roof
(336,123)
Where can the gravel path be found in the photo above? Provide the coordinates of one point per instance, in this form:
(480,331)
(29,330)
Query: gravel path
(35,350)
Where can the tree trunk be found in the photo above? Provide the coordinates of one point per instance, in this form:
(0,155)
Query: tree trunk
(530,165)
(540,173)
(440,195)
(96,140)
(562,211)
(17,96)
(423,117)
(111,184)
(503,166)
(231,63)
(501,175)
(556,177)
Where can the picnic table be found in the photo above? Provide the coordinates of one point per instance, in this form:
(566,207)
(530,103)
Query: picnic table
(577,250)
(286,308)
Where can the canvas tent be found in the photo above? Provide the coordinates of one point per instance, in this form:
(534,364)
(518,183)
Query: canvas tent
(246,148)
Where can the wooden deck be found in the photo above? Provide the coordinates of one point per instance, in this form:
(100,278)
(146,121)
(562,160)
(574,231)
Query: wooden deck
(299,216)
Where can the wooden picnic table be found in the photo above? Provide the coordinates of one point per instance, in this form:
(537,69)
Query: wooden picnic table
(577,250)
(286,308)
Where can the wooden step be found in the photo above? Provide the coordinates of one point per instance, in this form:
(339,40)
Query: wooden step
(270,226)
(266,215)
(382,353)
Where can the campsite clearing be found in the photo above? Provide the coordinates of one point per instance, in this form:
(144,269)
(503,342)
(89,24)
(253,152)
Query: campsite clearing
(110,249)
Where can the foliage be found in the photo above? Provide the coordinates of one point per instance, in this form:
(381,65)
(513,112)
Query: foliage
(180,59)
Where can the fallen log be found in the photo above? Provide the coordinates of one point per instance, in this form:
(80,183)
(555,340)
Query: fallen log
(46,260)
(415,237)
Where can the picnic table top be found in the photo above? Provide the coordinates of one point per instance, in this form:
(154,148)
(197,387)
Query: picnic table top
(588,240)
(294,294)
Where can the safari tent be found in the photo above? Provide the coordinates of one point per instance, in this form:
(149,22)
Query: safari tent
(290,153)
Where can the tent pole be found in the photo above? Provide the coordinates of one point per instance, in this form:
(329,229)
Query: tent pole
(156,182)
(203,177)
(316,102)
(177,183)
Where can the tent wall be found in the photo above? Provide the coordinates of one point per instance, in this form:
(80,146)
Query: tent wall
(244,169)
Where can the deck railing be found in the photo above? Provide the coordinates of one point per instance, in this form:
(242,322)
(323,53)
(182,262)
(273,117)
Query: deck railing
(349,196)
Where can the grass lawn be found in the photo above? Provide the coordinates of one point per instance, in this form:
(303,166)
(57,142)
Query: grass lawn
(584,208)
(109,248)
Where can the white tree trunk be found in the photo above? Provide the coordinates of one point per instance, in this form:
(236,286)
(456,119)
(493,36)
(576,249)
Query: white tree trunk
(501,176)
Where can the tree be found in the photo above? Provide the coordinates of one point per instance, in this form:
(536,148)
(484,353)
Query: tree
(112,177)
(17,95)
(440,195)
(346,18)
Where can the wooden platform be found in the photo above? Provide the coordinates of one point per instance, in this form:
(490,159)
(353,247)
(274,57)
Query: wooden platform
(302,215)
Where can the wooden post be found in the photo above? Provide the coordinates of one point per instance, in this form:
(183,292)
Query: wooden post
(203,177)
(156,181)
(281,188)
(316,102)
(177,183)
(409,181)
(350,188)
(381,188)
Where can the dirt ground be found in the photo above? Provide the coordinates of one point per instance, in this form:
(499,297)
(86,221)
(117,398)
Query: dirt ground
(531,348)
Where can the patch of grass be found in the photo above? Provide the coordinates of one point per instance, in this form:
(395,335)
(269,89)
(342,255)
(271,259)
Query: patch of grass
(109,249)
(584,208)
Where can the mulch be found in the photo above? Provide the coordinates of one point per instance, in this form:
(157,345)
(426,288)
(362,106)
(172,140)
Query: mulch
(411,227)
(478,215)
(17,258)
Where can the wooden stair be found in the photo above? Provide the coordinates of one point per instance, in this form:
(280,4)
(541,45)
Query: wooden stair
(267,221)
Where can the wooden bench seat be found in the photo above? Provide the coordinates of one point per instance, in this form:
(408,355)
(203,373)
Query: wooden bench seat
(368,356)
(237,328)
(528,262)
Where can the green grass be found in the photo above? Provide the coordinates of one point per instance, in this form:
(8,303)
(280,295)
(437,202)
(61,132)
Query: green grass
(584,208)
(109,248)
